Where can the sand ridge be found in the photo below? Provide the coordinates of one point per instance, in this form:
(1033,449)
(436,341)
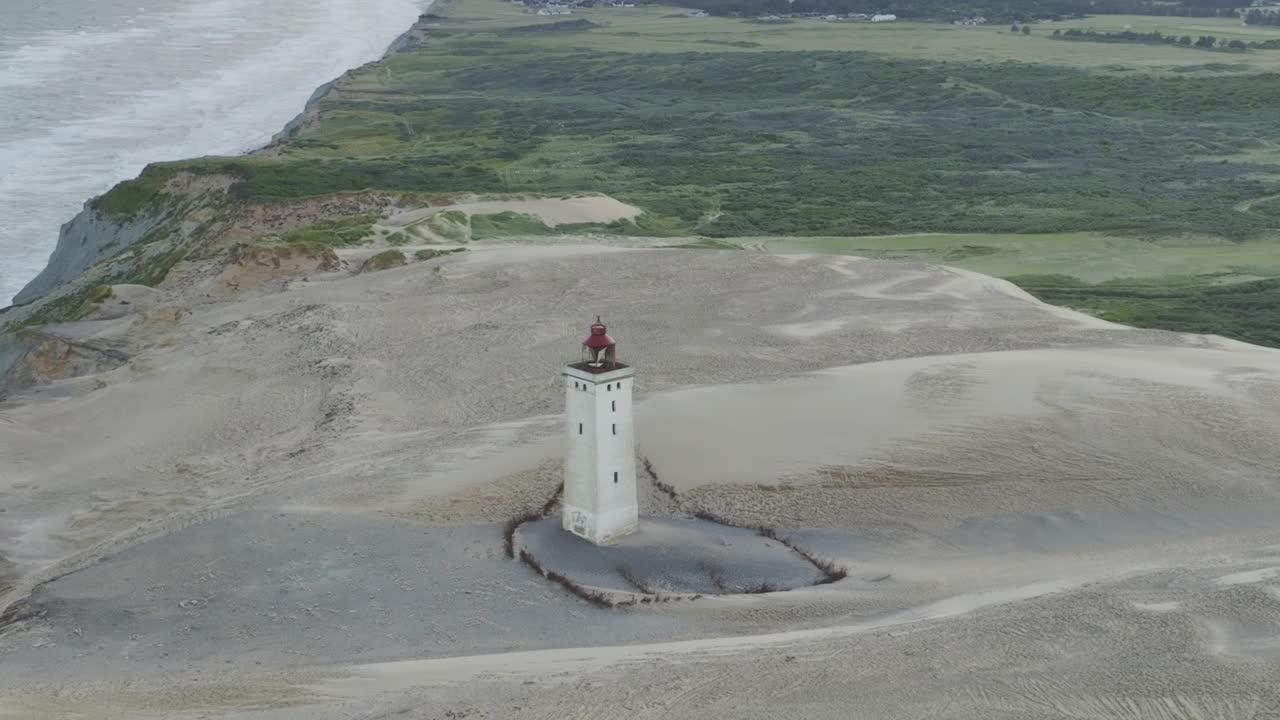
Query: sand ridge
(315,480)
(552,211)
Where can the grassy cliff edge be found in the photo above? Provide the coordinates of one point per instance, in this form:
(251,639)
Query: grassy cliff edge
(784,137)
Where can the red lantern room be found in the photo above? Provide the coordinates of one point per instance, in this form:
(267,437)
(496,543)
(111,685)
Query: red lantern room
(599,351)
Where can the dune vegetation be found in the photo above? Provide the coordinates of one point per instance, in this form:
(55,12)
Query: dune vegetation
(727,130)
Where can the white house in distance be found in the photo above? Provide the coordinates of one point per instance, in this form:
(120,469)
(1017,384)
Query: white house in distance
(884,17)
(600,460)
(554,9)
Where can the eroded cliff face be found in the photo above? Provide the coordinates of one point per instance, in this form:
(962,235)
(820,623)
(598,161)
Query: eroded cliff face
(140,230)
(118,242)
(184,244)
(182,215)
(51,357)
(249,268)
(90,237)
(10,350)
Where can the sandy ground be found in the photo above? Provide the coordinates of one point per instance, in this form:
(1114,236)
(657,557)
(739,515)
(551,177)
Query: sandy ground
(552,211)
(667,556)
(291,506)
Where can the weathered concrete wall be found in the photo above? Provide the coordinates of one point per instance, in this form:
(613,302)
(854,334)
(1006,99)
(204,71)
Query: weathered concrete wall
(600,471)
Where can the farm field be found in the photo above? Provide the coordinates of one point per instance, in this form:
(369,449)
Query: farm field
(665,29)
(1095,162)
(1219,27)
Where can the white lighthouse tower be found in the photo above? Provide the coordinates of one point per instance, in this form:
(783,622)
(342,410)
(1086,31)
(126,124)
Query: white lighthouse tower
(599,465)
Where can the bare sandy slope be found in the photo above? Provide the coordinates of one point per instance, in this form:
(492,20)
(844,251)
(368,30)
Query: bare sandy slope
(552,211)
(291,505)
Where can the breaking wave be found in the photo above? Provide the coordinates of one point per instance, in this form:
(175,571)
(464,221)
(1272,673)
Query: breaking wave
(90,103)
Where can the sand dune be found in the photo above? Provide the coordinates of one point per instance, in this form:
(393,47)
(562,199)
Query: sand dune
(551,211)
(289,506)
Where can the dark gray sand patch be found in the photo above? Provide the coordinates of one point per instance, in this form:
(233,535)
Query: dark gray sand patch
(282,589)
(670,555)
(8,574)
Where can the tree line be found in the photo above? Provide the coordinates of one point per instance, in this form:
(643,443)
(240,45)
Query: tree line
(1205,42)
(1259,17)
(994,10)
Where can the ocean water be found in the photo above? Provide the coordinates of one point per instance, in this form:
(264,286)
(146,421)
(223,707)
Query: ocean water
(93,90)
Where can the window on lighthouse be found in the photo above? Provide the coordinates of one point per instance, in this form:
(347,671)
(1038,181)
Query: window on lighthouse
(579,428)
(615,428)
(615,476)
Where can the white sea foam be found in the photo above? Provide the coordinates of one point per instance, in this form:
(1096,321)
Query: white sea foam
(83,108)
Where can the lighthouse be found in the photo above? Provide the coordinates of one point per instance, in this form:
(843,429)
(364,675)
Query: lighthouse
(599,464)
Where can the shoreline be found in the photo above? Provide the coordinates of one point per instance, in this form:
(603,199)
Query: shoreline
(402,41)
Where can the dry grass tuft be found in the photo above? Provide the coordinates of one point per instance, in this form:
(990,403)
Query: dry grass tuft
(509,530)
(666,489)
(831,572)
(550,505)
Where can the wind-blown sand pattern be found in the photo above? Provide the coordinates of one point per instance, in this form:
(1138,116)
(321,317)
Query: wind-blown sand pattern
(290,505)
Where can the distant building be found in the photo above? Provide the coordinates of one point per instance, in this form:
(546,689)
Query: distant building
(884,17)
(554,9)
(697,13)
(831,18)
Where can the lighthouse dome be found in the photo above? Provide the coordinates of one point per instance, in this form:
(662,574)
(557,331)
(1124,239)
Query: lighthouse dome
(599,337)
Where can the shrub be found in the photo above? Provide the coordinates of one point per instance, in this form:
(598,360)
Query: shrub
(99,294)
(339,232)
(384,260)
(450,224)
(507,224)
(432,253)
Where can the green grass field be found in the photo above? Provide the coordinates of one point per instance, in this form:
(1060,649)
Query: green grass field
(1020,156)
(1188,284)
(664,29)
(1090,257)
(1228,28)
